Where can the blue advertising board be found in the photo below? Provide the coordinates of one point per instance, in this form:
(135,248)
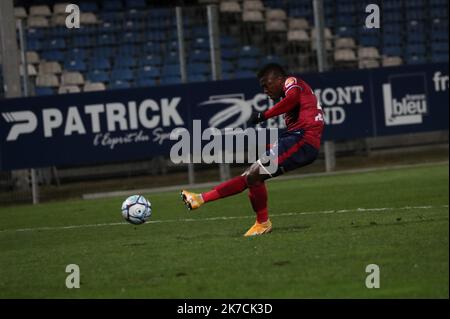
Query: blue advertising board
(132,124)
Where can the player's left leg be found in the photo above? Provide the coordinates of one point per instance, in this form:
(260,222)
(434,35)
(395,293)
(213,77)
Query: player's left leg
(257,193)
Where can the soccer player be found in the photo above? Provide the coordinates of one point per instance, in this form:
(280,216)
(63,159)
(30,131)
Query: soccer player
(297,147)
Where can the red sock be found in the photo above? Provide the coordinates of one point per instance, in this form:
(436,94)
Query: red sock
(210,196)
(258,198)
(228,188)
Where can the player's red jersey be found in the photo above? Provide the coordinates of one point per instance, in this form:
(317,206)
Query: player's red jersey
(301,110)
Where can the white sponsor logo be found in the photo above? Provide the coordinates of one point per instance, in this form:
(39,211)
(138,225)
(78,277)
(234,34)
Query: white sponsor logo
(111,122)
(24,122)
(332,100)
(239,110)
(440,82)
(405,110)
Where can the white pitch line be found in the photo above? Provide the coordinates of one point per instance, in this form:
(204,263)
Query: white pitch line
(356,210)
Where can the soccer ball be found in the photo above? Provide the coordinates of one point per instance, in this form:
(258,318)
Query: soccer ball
(136,209)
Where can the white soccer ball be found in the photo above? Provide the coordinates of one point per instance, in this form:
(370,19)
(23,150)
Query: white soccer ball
(136,209)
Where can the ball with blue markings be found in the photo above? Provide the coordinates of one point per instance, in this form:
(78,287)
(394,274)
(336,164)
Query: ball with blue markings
(136,209)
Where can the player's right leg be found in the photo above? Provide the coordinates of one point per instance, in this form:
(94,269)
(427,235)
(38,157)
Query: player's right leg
(225,189)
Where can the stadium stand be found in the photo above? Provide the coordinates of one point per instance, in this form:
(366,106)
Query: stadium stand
(133,43)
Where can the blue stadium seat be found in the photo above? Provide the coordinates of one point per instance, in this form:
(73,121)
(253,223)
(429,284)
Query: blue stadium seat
(416,4)
(439,12)
(148,72)
(227,66)
(392,5)
(415,49)
(344,20)
(88,6)
(441,47)
(392,28)
(198,68)
(439,57)
(56,32)
(124,61)
(104,52)
(152,48)
(200,44)
(81,41)
(75,65)
(172,46)
(34,45)
(132,26)
(227,75)
(199,56)
(56,44)
(416,59)
(144,82)
(197,78)
(99,63)
(368,40)
(41,90)
(345,8)
(171,70)
(53,55)
(124,74)
(108,27)
(76,53)
(199,32)
(171,58)
(415,26)
(438,3)
(170,80)
(112,5)
(154,35)
(418,37)
(272,59)
(128,50)
(119,84)
(106,39)
(250,52)
(35,33)
(97,76)
(393,16)
(136,15)
(112,17)
(135,4)
(244,74)
(229,54)
(227,42)
(391,39)
(150,60)
(346,31)
(131,37)
(394,50)
(415,14)
(439,27)
(247,64)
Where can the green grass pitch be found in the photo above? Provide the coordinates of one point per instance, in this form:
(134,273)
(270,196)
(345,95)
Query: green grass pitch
(326,231)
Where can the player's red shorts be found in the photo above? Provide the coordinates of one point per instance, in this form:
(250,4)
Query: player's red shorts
(291,151)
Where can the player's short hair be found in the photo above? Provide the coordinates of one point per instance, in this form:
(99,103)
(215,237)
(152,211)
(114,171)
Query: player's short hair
(271,68)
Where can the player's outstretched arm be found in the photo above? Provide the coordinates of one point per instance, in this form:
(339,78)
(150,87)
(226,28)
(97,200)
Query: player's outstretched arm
(285,105)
